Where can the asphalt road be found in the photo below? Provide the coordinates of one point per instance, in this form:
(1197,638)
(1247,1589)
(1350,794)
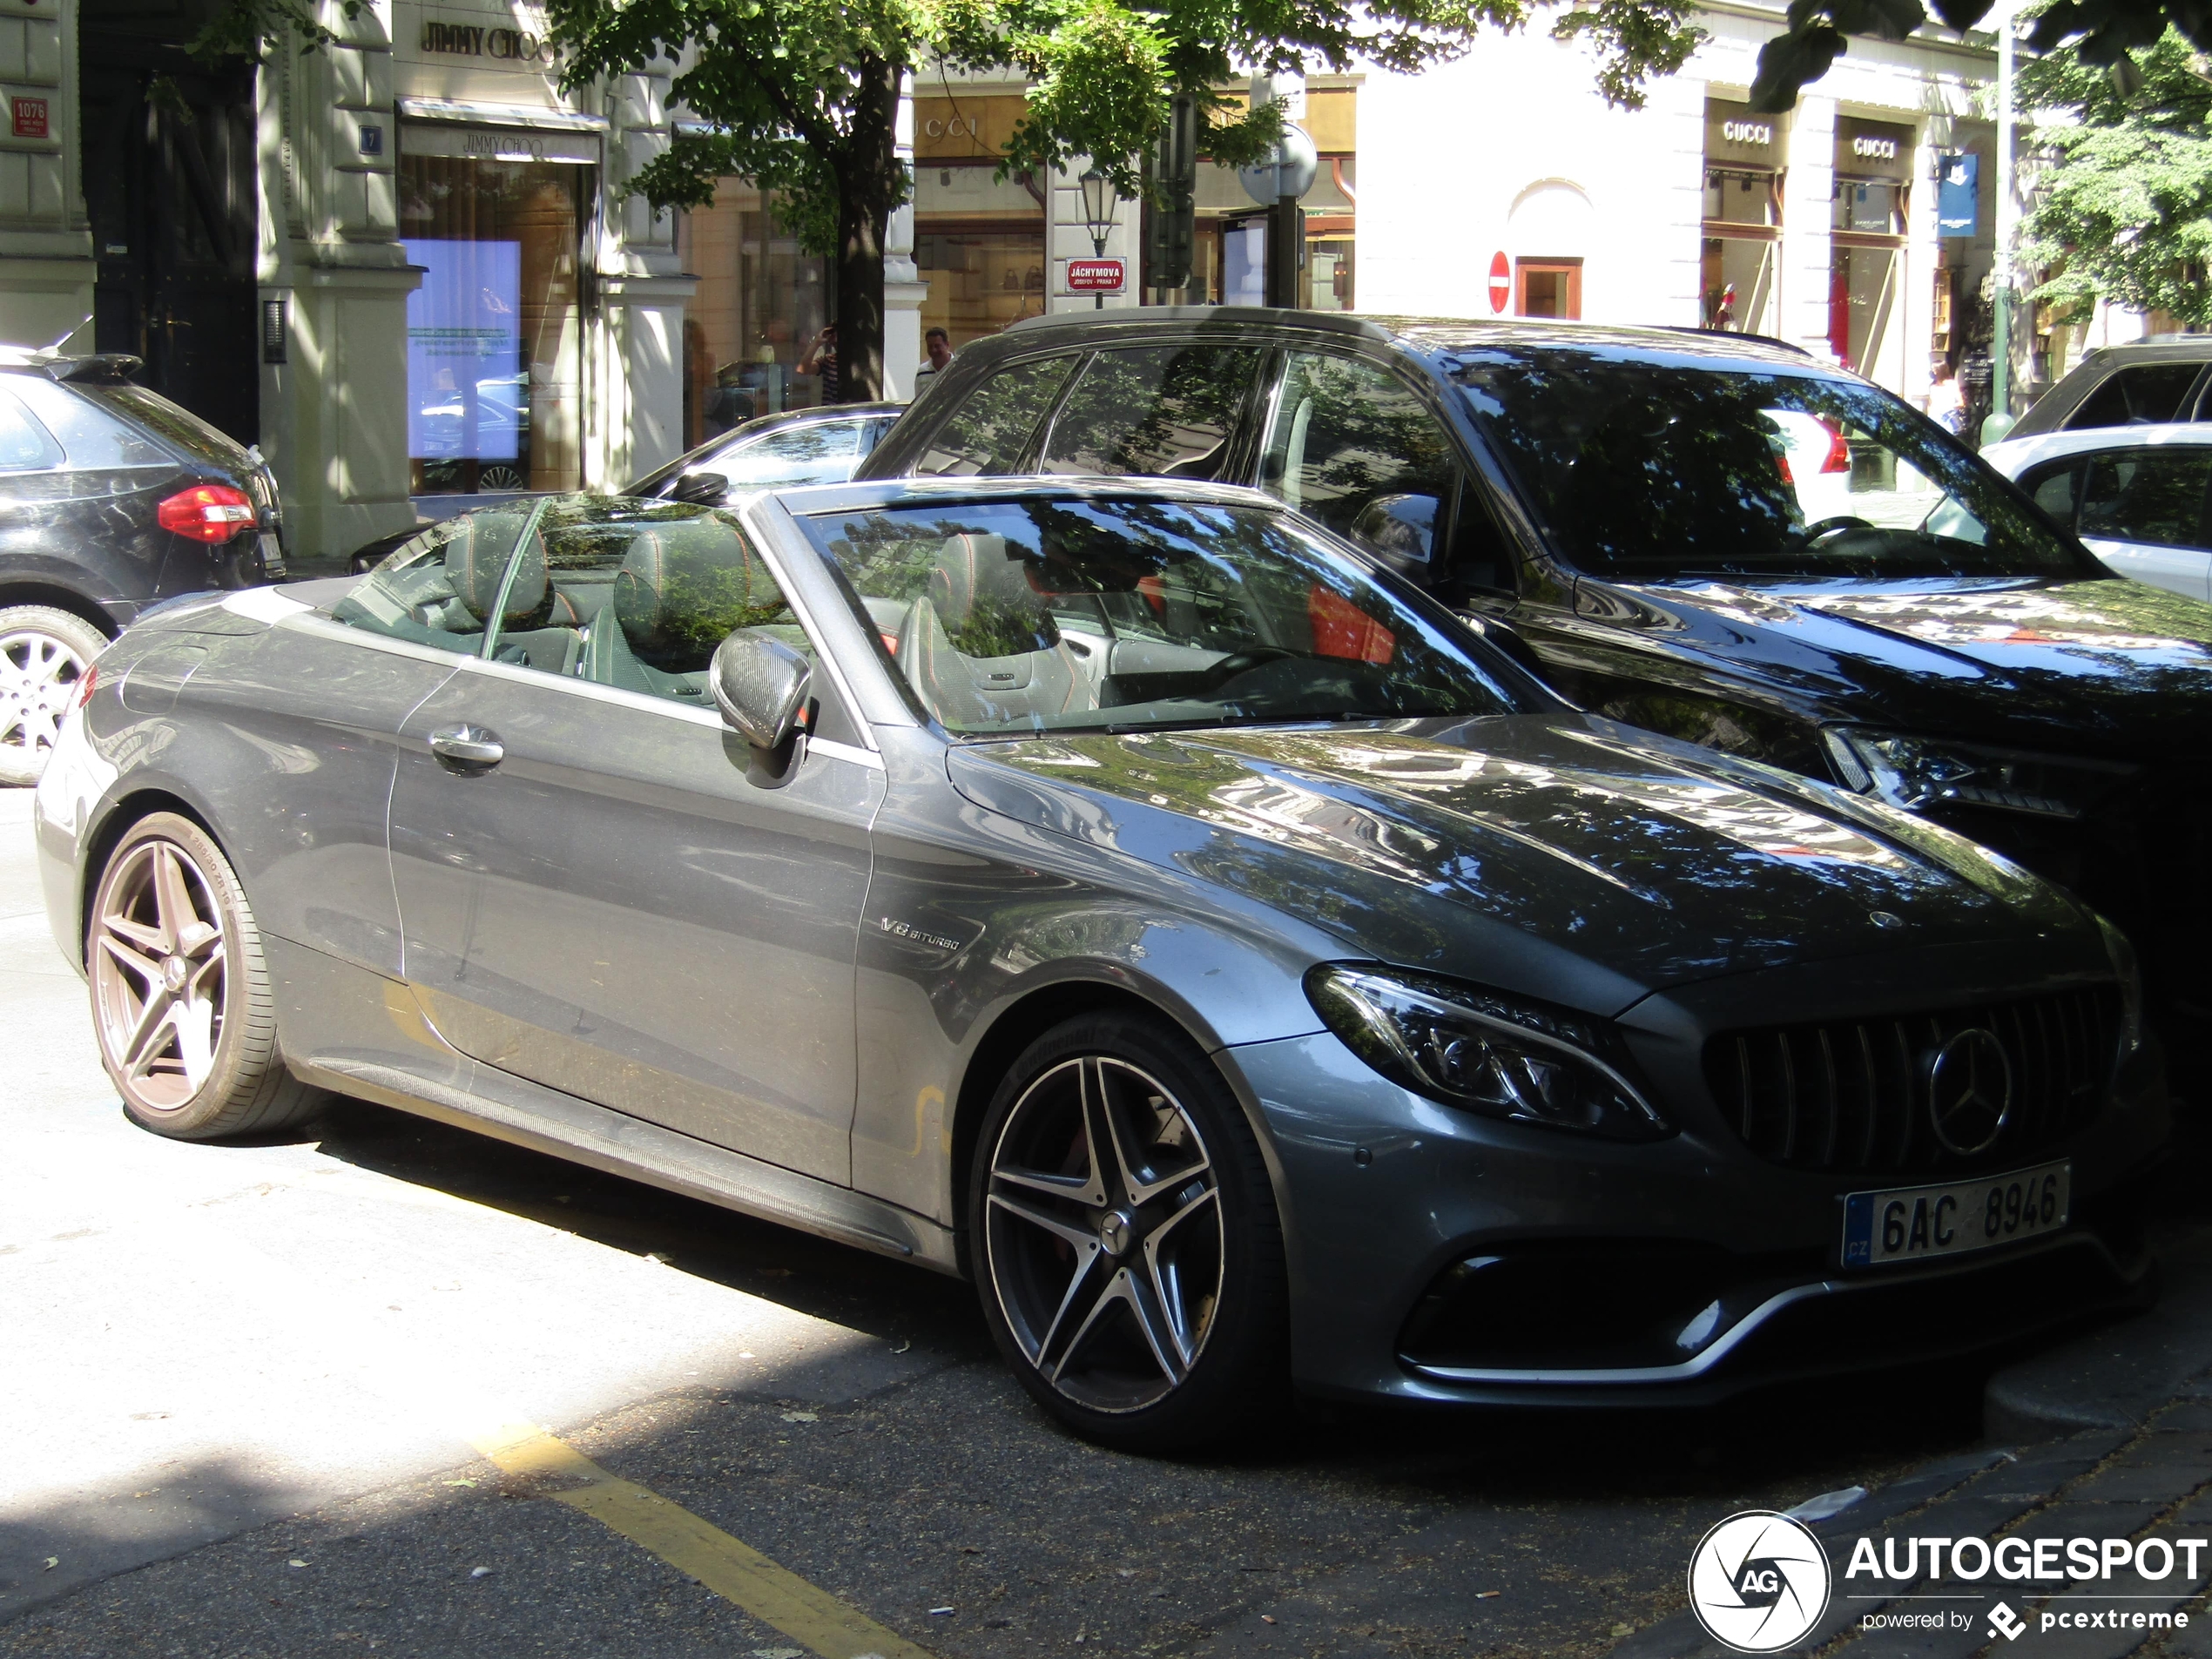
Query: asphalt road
(241,1385)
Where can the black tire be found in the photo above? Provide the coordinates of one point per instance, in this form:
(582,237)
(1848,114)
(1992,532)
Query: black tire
(43,656)
(181,1002)
(1144,1307)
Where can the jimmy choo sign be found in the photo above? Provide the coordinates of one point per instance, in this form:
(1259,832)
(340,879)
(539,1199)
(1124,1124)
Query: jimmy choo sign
(471,40)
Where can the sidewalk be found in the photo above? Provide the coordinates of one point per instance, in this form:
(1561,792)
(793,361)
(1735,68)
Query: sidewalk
(2106,1436)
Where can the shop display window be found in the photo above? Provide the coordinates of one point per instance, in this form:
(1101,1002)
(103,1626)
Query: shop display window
(762,302)
(494,378)
(980,277)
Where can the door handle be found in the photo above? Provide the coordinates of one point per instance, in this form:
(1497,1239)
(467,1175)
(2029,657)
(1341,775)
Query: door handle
(470,748)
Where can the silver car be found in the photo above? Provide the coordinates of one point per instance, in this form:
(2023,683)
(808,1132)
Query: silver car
(1126,894)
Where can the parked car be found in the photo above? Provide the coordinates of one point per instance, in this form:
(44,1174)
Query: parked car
(1703,535)
(1127,894)
(2144,382)
(2136,495)
(111,498)
(817,446)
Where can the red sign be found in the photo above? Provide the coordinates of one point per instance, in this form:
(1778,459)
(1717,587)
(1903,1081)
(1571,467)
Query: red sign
(29,117)
(1501,282)
(1095,276)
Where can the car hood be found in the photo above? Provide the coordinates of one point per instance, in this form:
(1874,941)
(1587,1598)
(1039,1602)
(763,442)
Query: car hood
(2102,666)
(1607,863)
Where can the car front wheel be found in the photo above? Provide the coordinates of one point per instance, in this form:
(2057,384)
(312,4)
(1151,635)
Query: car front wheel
(1129,1254)
(181,1000)
(45,654)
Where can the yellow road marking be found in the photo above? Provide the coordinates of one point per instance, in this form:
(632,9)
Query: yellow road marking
(736,1572)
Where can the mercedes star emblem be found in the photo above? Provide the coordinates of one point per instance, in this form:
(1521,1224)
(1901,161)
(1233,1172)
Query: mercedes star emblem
(1970,1091)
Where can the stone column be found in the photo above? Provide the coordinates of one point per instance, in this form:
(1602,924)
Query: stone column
(637,343)
(334,414)
(1807,212)
(903,288)
(46,267)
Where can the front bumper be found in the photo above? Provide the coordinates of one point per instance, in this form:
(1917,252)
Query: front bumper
(1388,1196)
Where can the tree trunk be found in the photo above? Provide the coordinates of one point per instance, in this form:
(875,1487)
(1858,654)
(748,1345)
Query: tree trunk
(869,182)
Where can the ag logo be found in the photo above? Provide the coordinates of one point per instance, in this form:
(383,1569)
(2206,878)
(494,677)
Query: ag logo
(1759,1581)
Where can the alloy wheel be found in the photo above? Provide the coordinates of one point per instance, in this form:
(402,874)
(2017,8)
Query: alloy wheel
(1103,1233)
(159,974)
(38,678)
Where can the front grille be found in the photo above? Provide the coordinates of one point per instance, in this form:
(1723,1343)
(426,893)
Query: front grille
(1853,1094)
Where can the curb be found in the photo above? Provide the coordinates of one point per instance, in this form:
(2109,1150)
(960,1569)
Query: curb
(2117,1375)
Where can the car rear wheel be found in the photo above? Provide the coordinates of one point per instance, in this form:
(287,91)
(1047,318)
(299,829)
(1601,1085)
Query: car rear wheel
(181,1002)
(43,656)
(1129,1254)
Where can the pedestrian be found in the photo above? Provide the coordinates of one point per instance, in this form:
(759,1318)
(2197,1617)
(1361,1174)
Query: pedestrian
(1945,407)
(938,346)
(821,362)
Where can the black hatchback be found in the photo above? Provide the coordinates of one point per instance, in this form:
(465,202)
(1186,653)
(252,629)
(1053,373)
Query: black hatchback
(1710,535)
(111,497)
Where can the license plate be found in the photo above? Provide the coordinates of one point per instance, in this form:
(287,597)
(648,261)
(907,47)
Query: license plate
(272,552)
(1916,1224)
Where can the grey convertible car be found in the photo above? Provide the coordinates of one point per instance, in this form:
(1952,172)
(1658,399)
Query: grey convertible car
(1127,894)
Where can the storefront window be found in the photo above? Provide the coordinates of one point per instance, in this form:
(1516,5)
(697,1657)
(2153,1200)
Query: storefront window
(980,277)
(495,380)
(1743,217)
(761,303)
(1873,173)
(979,239)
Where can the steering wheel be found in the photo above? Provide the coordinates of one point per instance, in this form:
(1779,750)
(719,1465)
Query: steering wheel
(1820,531)
(1243,662)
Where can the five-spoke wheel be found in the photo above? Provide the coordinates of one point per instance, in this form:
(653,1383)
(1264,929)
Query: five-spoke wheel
(1129,1252)
(181,995)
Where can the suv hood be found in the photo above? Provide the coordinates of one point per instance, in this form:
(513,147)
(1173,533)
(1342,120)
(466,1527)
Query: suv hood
(1609,863)
(2097,667)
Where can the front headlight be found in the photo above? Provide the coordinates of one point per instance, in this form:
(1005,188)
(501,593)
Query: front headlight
(2129,973)
(1914,772)
(1486,1053)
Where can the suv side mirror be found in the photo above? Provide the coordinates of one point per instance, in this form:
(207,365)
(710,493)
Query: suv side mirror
(761,685)
(1401,530)
(700,489)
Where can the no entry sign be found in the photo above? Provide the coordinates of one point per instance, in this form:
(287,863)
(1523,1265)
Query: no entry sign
(1501,281)
(1095,276)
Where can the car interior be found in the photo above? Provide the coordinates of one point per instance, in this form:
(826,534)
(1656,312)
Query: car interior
(1005,624)
(637,603)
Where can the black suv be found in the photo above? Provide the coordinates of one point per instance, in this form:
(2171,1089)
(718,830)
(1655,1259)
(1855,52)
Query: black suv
(1709,535)
(2144,382)
(111,497)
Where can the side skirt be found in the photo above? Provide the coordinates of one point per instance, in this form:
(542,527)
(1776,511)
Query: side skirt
(526,1114)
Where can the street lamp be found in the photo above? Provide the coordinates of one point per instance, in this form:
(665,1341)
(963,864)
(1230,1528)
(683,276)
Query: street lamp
(1100,201)
(2001,411)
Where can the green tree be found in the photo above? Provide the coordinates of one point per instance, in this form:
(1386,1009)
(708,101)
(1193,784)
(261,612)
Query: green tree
(2129,214)
(803,94)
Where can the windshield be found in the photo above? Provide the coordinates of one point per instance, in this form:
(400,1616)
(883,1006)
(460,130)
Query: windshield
(1063,615)
(1644,470)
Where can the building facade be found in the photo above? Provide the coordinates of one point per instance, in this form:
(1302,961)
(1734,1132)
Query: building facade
(430,255)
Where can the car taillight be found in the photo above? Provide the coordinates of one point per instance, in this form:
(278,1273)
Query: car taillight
(208,513)
(86,686)
(1838,452)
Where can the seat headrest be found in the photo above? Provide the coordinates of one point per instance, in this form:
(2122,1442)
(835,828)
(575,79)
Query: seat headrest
(984,600)
(685,588)
(476,552)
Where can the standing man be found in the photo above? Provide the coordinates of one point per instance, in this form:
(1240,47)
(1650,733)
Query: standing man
(821,362)
(938,345)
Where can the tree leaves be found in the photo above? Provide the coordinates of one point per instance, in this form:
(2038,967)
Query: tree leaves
(2126,211)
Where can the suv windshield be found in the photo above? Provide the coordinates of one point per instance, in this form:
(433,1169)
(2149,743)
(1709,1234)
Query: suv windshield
(1647,468)
(180,426)
(1105,615)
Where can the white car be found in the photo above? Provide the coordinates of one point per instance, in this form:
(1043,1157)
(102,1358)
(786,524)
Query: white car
(2136,495)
